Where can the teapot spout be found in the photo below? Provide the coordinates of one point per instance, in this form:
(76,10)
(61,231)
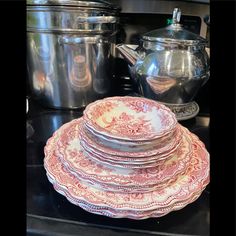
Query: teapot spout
(128,52)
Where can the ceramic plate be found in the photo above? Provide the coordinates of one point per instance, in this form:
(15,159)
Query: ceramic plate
(127,146)
(159,150)
(194,180)
(70,153)
(132,214)
(112,141)
(129,118)
(178,191)
(136,163)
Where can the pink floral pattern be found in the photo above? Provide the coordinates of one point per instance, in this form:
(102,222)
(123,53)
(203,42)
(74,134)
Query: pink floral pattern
(138,123)
(86,168)
(177,194)
(158,151)
(138,106)
(99,110)
(116,213)
(127,124)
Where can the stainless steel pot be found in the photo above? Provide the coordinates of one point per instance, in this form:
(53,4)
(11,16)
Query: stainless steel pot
(70,47)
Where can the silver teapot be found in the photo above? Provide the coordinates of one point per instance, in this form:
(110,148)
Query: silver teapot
(170,64)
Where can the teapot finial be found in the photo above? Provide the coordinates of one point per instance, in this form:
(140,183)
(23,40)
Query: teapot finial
(176,15)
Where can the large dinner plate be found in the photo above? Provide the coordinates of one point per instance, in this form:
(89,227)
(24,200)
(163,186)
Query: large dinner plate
(193,181)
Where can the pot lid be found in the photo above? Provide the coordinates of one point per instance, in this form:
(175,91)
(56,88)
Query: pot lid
(78,3)
(174,33)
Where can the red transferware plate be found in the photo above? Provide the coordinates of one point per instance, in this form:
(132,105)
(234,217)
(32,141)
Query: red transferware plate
(158,150)
(193,181)
(132,214)
(69,151)
(129,118)
(138,149)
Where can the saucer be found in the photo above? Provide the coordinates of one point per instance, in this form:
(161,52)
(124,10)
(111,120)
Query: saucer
(129,118)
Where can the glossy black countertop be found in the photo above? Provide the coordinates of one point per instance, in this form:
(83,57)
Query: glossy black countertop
(49,213)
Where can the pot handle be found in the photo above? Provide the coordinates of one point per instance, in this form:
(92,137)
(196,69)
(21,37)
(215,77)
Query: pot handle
(80,40)
(97,19)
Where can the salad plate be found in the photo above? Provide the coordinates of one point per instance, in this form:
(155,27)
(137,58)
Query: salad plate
(159,150)
(162,143)
(70,153)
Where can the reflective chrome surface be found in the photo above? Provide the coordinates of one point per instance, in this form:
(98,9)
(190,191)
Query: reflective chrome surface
(68,75)
(169,70)
(68,19)
(191,7)
(69,54)
(79,3)
(173,34)
(172,76)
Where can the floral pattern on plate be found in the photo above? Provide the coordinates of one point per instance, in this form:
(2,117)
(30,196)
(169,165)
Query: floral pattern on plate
(71,155)
(194,180)
(126,164)
(132,214)
(127,146)
(129,118)
(158,150)
(114,141)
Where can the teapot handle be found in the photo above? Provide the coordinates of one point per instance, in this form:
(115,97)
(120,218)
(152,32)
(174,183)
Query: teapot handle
(207,78)
(208,72)
(208,52)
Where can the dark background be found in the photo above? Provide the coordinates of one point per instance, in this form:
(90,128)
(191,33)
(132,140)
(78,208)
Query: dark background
(222,113)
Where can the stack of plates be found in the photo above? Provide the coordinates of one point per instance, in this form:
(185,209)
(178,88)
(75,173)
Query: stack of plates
(127,157)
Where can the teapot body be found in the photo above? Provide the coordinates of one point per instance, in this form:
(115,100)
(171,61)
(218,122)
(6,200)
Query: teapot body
(170,73)
(170,64)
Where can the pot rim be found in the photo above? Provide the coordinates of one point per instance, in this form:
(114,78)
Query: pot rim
(74,3)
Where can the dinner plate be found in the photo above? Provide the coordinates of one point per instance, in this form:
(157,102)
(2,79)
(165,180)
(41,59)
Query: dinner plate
(132,214)
(120,213)
(122,188)
(77,189)
(194,180)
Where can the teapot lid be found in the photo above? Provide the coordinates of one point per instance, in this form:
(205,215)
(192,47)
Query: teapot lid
(174,33)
